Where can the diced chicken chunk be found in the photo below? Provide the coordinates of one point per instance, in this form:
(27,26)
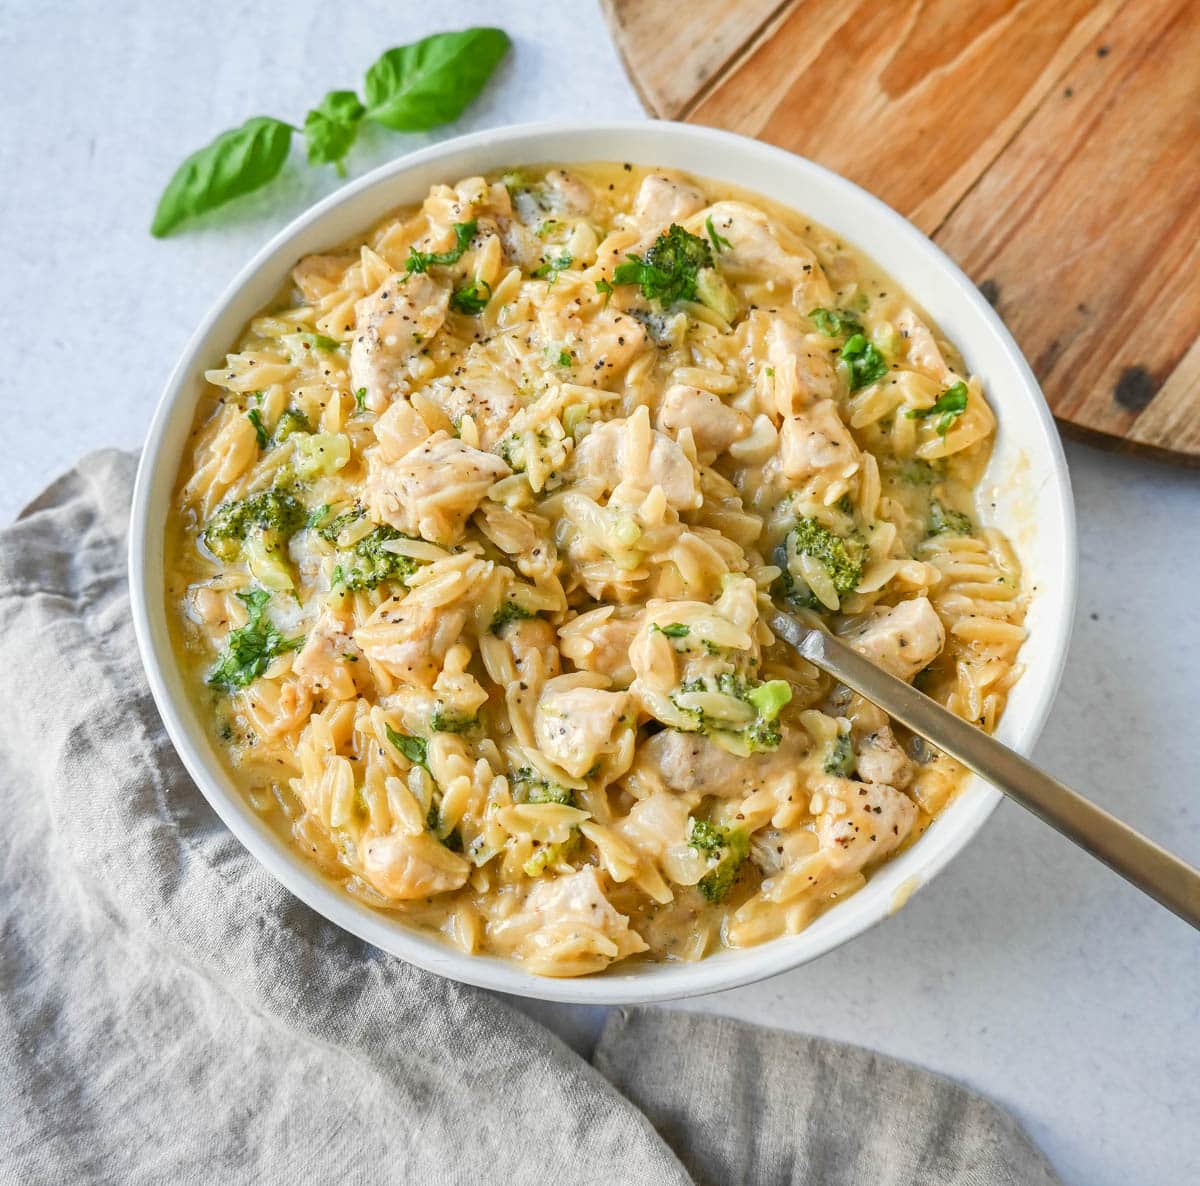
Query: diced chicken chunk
(402,867)
(326,659)
(601,347)
(393,324)
(662,200)
(527,638)
(399,430)
(410,641)
(902,639)
(692,765)
(861,822)
(568,927)
(567,193)
(616,452)
(490,401)
(714,425)
(758,248)
(816,444)
(433,490)
(803,372)
(576,725)
(923,351)
(880,759)
(603,645)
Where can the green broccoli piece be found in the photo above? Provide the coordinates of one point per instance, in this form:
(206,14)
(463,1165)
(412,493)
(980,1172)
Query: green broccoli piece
(368,562)
(670,268)
(509,612)
(946,521)
(330,531)
(841,759)
(275,514)
(451,722)
(864,363)
(728,846)
(835,323)
(250,648)
(291,421)
(843,558)
(529,787)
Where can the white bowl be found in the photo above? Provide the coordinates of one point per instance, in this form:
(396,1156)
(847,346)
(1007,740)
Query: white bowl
(1028,467)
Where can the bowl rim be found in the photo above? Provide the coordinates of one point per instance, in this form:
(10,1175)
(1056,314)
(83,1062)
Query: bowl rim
(647,983)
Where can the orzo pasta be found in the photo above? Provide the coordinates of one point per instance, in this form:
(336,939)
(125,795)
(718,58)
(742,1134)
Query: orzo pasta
(475,536)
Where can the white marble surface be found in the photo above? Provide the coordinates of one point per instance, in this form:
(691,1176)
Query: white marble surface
(1025,970)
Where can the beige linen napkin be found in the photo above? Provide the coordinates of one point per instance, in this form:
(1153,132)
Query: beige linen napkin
(169,1014)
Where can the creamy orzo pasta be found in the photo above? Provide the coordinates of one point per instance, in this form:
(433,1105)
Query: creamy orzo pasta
(476,534)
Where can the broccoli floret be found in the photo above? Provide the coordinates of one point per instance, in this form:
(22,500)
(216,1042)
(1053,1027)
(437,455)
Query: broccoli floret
(843,558)
(250,648)
(275,513)
(841,758)
(946,521)
(442,721)
(529,787)
(509,612)
(368,562)
(728,846)
(669,271)
(291,421)
(330,531)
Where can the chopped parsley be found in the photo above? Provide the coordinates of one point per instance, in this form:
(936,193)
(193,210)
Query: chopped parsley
(719,242)
(260,429)
(472,298)
(250,649)
(422,261)
(415,749)
(835,323)
(672,630)
(951,404)
(669,269)
(863,362)
(360,398)
(320,342)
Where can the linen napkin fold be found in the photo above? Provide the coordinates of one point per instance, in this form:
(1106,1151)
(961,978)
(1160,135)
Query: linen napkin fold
(169,1014)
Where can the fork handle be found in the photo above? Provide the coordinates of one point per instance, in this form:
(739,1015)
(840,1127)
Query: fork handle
(1166,878)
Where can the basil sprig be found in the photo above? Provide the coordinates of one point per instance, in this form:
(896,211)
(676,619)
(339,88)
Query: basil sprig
(411,88)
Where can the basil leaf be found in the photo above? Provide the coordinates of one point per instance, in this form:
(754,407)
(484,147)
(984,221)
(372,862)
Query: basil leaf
(331,128)
(237,162)
(417,87)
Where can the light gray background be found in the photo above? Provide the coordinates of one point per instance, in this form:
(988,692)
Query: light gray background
(1025,970)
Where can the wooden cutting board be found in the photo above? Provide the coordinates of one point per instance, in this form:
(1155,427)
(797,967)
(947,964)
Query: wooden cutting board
(1051,147)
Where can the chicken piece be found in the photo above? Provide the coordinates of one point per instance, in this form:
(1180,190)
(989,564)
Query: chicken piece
(662,200)
(402,867)
(391,325)
(490,401)
(815,444)
(576,724)
(316,276)
(803,372)
(758,248)
(923,351)
(714,425)
(399,430)
(410,641)
(526,638)
(616,452)
(567,194)
(433,490)
(880,759)
(902,638)
(692,765)
(656,823)
(327,657)
(603,646)
(569,912)
(601,346)
(862,822)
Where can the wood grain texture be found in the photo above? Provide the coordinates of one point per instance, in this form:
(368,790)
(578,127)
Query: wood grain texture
(1052,147)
